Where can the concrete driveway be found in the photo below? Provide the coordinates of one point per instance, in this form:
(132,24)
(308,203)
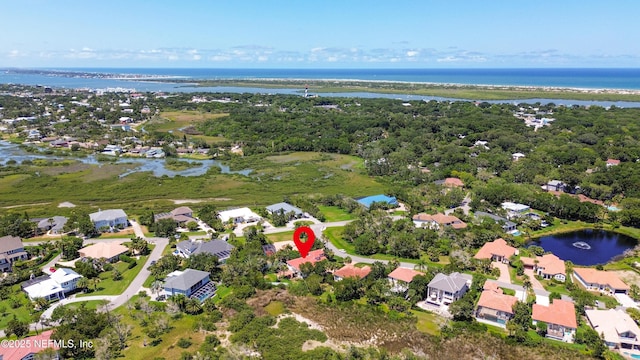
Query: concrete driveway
(504,277)
(535,283)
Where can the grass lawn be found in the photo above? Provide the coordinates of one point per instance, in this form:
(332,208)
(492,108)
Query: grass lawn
(278,237)
(22,313)
(107,286)
(334,213)
(90,305)
(552,287)
(427,322)
(221,292)
(275,308)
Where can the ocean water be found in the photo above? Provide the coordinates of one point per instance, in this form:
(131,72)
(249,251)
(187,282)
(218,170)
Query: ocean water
(567,77)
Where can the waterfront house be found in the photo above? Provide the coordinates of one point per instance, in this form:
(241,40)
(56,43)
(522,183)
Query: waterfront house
(507,225)
(560,317)
(605,282)
(494,307)
(11,250)
(496,250)
(550,266)
(445,289)
(616,326)
(515,209)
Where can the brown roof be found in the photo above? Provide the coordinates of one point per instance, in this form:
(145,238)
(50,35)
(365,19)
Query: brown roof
(182,210)
(552,264)
(404,274)
(351,271)
(559,312)
(312,257)
(594,276)
(442,219)
(527,261)
(491,286)
(8,243)
(105,250)
(497,301)
(497,247)
(451,181)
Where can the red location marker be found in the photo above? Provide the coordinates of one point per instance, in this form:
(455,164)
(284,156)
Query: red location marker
(304,247)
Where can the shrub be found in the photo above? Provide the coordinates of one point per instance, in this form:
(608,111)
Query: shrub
(184,343)
(132,265)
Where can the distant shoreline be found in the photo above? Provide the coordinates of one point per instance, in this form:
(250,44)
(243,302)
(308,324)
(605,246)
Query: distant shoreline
(318,85)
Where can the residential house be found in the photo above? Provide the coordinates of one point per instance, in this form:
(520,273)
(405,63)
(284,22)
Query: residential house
(450,182)
(52,287)
(612,162)
(616,326)
(29,347)
(606,282)
(496,250)
(517,156)
(109,251)
(219,248)
(114,218)
(54,225)
(11,250)
(351,271)
(312,257)
(445,289)
(239,216)
(180,215)
(514,209)
(507,225)
(191,283)
(381,198)
(494,307)
(550,266)
(555,185)
(560,317)
(400,278)
(285,208)
(438,221)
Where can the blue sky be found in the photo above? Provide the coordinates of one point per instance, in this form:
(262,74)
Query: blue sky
(320,33)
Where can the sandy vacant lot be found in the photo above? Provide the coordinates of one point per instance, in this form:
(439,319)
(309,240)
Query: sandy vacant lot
(629,277)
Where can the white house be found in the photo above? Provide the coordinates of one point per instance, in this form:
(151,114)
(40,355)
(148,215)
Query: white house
(240,215)
(445,289)
(113,218)
(54,287)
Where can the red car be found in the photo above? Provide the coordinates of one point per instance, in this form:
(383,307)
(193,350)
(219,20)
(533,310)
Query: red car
(52,269)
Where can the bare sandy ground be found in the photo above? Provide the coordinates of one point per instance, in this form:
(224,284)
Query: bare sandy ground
(629,277)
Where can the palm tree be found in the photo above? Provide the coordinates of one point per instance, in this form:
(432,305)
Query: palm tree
(40,303)
(179,300)
(83,284)
(421,264)
(95,281)
(156,287)
(192,307)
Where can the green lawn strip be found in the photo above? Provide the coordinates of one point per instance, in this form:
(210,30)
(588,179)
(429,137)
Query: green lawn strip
(107,286)
(334,213)
(553,287)
(279,237)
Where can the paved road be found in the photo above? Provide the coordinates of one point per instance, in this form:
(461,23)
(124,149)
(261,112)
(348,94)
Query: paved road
(317,230)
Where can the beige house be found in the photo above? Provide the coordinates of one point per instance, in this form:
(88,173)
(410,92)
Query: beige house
(108,250)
